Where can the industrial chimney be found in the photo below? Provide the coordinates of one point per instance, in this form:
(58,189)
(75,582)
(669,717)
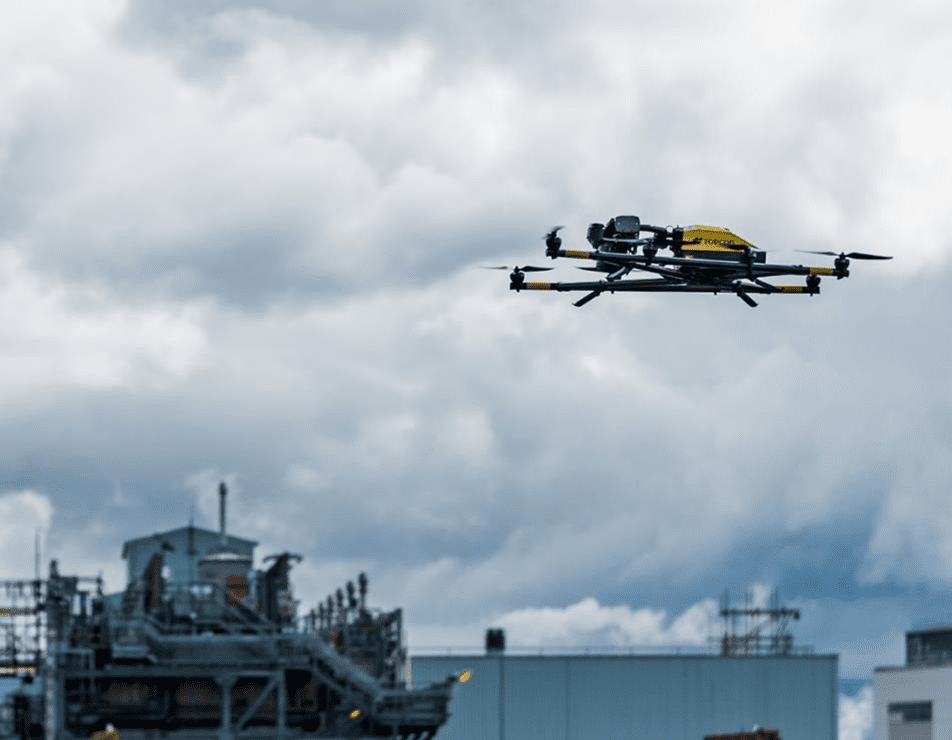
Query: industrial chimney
(495,641)
(222,492)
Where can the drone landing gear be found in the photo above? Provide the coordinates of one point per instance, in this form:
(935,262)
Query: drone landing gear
(746,298)
(586,298)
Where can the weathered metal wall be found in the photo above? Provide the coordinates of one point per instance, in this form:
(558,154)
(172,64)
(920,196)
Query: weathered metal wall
(678,697)
(184,567)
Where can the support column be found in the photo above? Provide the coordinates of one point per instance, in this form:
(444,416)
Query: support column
(282,708)
(225,682)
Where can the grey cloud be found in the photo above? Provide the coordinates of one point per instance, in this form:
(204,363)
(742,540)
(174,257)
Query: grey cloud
(264,220)
(314,166)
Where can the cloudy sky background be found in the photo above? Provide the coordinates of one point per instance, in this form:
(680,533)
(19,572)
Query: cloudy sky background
(242,241)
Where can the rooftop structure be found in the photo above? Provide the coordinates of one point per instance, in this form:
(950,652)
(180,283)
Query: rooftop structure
(764,630)
(914,701)
(929,645)
(182,548)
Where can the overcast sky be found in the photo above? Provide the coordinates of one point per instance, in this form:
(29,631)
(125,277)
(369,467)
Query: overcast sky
(241,241)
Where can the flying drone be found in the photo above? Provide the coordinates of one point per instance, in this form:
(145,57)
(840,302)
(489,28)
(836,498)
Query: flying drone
(703,259)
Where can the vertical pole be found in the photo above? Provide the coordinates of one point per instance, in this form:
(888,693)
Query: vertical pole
(502,697)
(568,698)
(222,492)
(51,695)
(191,548)
(282,708)
(225,682)
(51,688)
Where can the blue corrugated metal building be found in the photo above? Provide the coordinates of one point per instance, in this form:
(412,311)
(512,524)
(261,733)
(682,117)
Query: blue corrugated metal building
(635,697)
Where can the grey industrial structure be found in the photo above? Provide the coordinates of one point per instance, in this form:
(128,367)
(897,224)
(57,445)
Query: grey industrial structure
(203,645)
(636,697)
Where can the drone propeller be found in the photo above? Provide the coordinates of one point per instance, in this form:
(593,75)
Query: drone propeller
(850,255)
(527,268)
(553,242)
(517,278)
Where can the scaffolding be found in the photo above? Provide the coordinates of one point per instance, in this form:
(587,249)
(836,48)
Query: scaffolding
(763,631)
(22,621)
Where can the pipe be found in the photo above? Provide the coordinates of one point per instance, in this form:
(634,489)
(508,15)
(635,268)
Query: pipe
(222,492)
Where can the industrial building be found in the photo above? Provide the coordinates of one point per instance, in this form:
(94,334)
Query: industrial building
(914,701)
(203,646)
(757,680)
(629,697)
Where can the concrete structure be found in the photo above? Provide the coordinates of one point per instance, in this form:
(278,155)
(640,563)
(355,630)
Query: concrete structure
(635,697)
(914,701)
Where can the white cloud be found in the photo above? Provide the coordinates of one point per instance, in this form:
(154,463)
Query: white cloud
(590,623)
(856,716)
(58,334)
(586,623)
(497,450)
(312,160)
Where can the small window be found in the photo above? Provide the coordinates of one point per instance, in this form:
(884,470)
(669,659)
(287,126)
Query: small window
(910,711)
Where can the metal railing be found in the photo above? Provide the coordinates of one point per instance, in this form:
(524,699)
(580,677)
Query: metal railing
(558,650)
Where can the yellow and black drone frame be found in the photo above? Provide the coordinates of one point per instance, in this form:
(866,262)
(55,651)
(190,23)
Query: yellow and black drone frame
(702,259)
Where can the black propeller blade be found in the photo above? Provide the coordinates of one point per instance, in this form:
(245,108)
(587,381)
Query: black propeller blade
(849,255)
(527,268)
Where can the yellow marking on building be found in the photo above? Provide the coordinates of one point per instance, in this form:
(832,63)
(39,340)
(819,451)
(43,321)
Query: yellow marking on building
(822,271)
(9,670)
(15,611)
(537,286)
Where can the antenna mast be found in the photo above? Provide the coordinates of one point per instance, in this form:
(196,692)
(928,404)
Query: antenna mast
(765,630)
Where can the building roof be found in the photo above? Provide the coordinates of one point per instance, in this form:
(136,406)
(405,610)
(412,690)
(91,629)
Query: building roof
(180,532)
(927,629)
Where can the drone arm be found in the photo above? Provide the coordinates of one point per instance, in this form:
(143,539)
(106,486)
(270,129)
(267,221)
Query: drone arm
(801,289)
(778,270)
(643,262)
(666,273)
(665,285)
